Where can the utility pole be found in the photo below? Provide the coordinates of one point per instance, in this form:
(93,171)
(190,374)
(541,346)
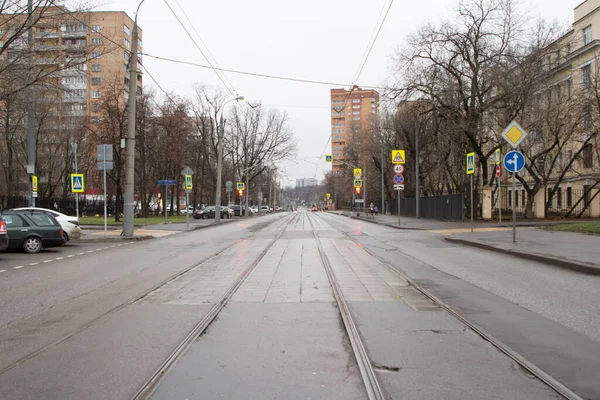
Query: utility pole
(74,146)
(31,139)
(219,173)
(417,186)
(382,181)
(128,206)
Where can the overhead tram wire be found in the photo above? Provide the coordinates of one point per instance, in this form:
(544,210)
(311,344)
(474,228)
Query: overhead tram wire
(205,45)
(231,90)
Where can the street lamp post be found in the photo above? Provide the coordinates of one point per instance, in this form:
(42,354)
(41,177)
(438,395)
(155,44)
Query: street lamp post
(220,133)
(128,206)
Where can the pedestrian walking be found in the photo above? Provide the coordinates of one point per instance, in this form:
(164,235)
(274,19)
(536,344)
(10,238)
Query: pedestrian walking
(371,208)
(376,210)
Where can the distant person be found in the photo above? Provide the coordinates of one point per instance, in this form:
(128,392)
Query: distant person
(55,206)
(371,208)
(84,211)
(376,210)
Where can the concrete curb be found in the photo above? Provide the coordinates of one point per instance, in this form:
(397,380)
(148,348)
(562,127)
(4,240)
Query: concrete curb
(570,265)
(114,239)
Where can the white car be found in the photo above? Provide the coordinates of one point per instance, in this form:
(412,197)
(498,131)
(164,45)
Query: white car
(70,225)
(188,210)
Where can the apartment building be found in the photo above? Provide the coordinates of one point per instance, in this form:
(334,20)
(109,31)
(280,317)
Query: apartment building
(351,114)
(306,182)
(565,124)
(77,55)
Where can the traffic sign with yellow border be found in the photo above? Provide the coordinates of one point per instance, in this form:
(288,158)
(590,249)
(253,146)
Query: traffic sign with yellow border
(328,158)
(357,173)
(241,186)
(470,163)
(188,182)
(34,183)
(77,183)
(358,183)
(398,157)
(328,195)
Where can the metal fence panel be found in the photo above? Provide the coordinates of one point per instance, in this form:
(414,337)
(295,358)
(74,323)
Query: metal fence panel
(447,207)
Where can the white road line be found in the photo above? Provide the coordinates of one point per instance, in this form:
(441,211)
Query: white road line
(47,261)
(105,248)
(19,267)
(2,270)
(71,255)
(112,247)
(59,258)
(88,252)
(33,264)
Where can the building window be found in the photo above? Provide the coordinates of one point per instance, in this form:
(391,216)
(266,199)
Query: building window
(358,106)
(559,199)
(95,67)
(587,34)
(127,30)
(569,197)
(140,43)
(95,94)
(95,107)
(523,198)
(95,81)
(569,88)
(356,112)
(96,41)
(587,76)
(95,28)
(356,119)
(95,121)
(516,193)
(587,117)
(127,43)
(95,54)
(588,156)
(126,95)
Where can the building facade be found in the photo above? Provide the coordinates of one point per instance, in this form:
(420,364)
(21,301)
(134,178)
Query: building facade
(352,113)
(75,56)
(306,182)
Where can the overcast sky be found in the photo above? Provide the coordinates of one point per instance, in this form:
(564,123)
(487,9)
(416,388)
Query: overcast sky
(320,40)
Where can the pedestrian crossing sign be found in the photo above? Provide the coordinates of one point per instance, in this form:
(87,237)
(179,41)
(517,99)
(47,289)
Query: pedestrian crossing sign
(470,163)
(398,157)
(241,186)
(77,183)
(328,158)
(34,184)
(188,182)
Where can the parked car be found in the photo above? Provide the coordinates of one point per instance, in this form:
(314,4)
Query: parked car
(264,209)
(187,210)
(70,225)
(238,210)
(209,212)
(32,231)
(3,235)
(253,209)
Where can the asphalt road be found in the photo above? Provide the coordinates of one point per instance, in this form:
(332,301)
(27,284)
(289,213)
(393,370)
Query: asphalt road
(96,321)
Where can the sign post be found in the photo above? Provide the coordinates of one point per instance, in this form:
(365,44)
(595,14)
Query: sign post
(188,186)
(166,182)
(514,162)
(471,172)
(104,162)
(398,159)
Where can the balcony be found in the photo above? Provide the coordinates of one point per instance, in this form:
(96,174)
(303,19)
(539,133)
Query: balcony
(71,113)
(46,35)
(336,115)
(74,35)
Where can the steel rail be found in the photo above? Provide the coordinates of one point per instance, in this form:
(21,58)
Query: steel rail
(367,372)
(504,348)
(119,307)
(152,384)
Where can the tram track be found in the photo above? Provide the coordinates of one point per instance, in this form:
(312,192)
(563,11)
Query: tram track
(523,362)
(271,224)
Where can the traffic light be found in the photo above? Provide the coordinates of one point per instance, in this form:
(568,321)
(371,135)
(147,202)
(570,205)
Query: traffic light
(357,190)
(241,192)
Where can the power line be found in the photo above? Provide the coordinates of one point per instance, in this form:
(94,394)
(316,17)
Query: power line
(232,92)
(203,43)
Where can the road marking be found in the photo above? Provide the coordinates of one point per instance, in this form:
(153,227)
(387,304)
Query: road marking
(59,258)
(112,247)
(2,270)
(88,252)
(80,254)
(33,264)
(47,261)
(71,255)
(19,267)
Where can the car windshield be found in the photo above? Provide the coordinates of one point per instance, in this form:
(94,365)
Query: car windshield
(42,220)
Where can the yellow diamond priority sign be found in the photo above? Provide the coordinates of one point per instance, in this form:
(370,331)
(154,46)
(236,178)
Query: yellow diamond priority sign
(398,157)
(514,134)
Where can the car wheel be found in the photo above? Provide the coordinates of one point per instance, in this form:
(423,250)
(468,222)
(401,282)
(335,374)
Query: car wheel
(66,235)
(204,216)
(225,216)
(32,245)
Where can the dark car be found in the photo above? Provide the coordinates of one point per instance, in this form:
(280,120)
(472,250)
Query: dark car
(3,235)
(32,232)
(237,209)
(209,212)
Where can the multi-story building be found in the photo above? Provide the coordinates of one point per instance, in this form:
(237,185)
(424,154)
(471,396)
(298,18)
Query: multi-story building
(78,56)
(563,137)
(351,114)
(305,182)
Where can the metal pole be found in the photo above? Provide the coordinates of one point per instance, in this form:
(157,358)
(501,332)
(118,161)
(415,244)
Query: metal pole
(105,222)
(365,191)
(382,182)
(187,206)
(471,202)
(270,189)
(398,197)
(74,146)
(219,173)
(166,198)
(246,183)
(499,201)
(514,212)
(417,181)
(259,199)
(228,197)
(31,140)
(128,206)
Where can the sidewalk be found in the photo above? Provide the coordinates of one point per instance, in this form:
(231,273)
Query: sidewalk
(574,251)
(95,233)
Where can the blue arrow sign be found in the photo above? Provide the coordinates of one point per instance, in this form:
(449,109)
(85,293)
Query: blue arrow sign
(514,161)
(399,179)
(166,182)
